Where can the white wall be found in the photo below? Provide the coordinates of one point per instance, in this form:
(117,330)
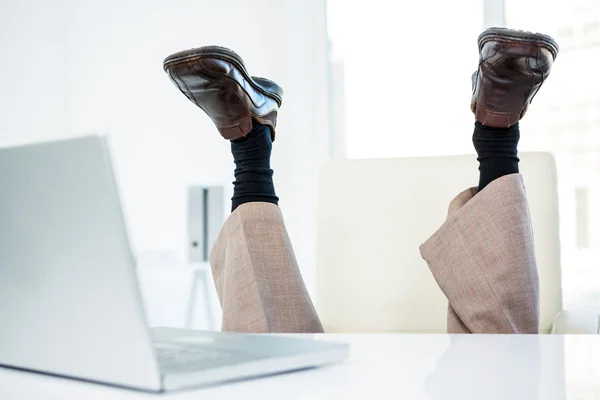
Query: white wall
(33,81)
(78,66)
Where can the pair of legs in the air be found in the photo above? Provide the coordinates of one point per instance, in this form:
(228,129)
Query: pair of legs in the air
(482,257)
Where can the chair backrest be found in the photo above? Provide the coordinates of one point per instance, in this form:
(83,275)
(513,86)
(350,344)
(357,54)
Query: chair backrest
(374,214)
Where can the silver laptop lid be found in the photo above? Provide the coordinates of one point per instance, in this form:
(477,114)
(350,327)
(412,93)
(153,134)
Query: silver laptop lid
(69,300)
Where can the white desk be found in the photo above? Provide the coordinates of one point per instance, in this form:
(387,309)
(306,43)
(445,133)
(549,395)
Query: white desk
(392,366)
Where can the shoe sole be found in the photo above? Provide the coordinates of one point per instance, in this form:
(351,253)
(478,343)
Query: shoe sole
(263,85)
(512,35)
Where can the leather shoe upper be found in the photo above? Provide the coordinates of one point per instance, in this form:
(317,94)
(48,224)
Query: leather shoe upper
(513,66)
(216,80)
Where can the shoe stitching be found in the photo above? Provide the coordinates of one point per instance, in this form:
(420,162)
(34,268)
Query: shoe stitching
(205,77)
(204,52)
(248,112)
(247,94)
(508,34)
(187,89)
(224,76)
(511,33)
(228,58)
(516,39)
(492,66)
(171,64)
(170,73)
(489,69)
(212,79)
(235,125)
(476,85)
(540,86)
(533,43)
(200,53)
(527,101)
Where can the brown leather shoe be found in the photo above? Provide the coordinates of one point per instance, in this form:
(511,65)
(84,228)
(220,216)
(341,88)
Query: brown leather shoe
(513,66)
(215,79)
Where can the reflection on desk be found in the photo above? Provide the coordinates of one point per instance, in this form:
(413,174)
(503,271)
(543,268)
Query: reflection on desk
(437,367)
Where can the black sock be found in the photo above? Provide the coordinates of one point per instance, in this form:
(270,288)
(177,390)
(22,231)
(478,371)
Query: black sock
(497,152)
(253,173)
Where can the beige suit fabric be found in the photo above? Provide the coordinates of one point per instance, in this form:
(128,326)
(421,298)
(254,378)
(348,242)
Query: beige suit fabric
(482,258)
(256,275)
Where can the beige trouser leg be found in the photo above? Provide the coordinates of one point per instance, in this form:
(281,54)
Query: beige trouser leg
(484,261)
(256,275)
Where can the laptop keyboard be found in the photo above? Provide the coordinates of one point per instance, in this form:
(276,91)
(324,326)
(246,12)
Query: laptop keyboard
(179,357)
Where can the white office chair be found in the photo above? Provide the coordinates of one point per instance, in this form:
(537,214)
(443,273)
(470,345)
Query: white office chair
(374,214)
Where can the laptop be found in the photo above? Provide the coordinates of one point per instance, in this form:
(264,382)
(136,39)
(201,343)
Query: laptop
(70,303)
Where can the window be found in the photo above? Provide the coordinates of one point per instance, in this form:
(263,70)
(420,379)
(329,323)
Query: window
(571,132)
(392,54)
